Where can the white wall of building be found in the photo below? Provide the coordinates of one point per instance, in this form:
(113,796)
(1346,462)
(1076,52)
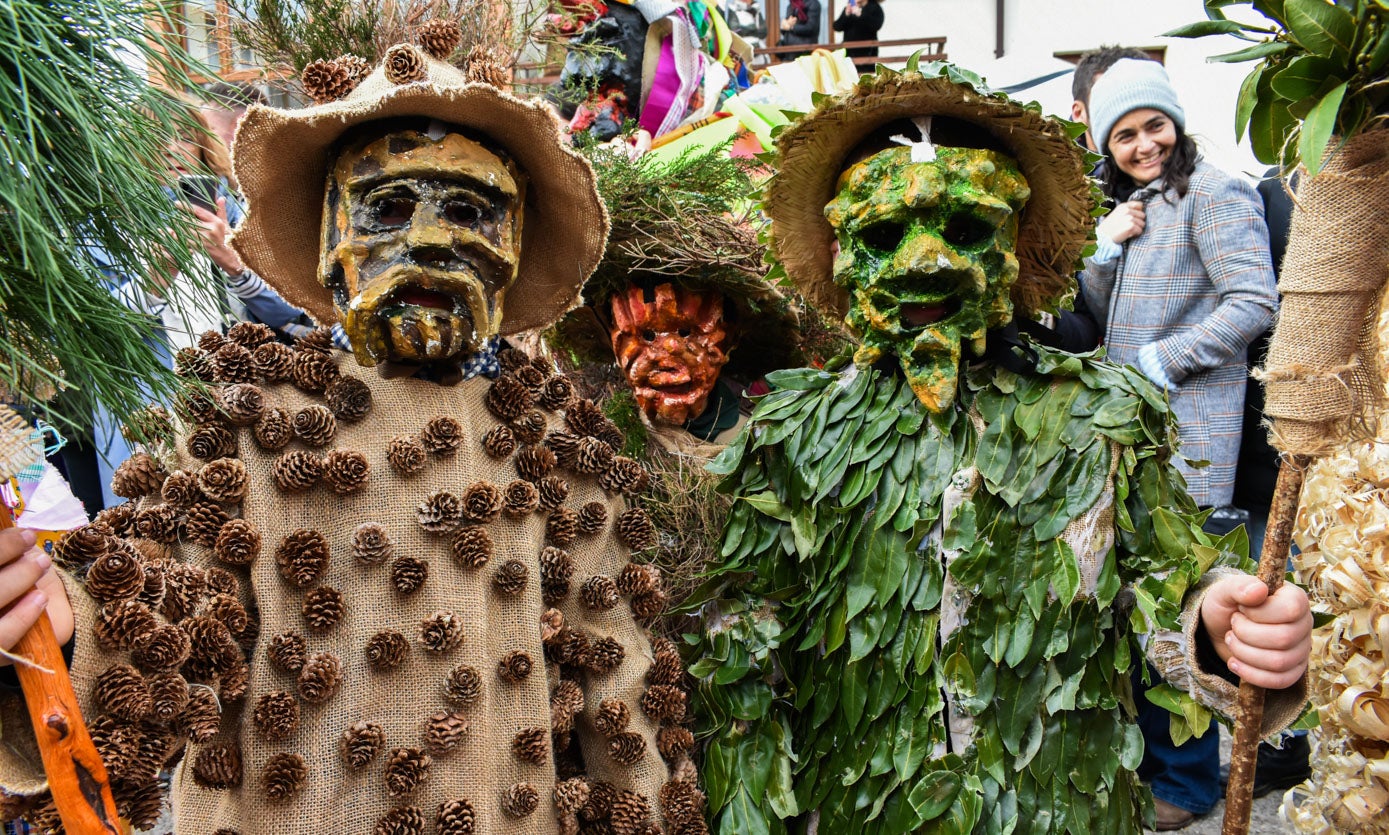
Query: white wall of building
(1035,29)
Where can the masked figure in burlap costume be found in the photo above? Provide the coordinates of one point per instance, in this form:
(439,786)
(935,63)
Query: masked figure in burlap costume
(397,598)
(941,571)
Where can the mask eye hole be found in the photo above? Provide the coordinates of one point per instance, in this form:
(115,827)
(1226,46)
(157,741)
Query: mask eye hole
(648,336)
(685,333)
(883,236)
(462,214)
(966,231)
(395,212)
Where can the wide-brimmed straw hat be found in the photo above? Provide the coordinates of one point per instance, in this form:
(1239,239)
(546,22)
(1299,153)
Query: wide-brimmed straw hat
(282,161)
(1056,225)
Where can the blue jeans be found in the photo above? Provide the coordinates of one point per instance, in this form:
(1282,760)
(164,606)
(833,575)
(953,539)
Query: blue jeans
(1186,775)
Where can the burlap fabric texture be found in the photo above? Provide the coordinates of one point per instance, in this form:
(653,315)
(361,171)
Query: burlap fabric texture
(461,634)
(1322,374)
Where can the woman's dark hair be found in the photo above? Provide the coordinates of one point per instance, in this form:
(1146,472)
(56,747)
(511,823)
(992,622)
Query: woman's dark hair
(1176,172)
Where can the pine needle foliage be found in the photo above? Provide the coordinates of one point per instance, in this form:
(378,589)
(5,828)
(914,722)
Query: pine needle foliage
(82,139)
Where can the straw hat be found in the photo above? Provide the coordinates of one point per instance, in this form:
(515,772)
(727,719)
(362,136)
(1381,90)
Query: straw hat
(282,162)
(1056,226)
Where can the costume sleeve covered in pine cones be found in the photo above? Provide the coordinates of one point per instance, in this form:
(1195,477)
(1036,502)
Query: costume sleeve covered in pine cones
(381,606)
(931,620)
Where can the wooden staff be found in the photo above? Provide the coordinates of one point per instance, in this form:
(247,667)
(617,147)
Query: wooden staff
(76,775)
(1249,713)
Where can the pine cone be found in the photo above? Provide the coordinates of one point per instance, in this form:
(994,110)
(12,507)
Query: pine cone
(638,579)
(283,776)
(553,492)
(463,687)
(313,371)
(520,497)
(406,455)
(234,364)
(361,742)
(168,696)
(320,677)
(442,436)
(212,649)
(440,512)
(625,476)
(601,795)
(218,766)
(162,649)
(512,359)
(243,403)
(515,666)
(315,425)
(194,363)
(80,547)
(508,398)
(565,445)
(456,817)
(571,795)
(297,471)
(323,608)
(180,489)
(584,418)
(221,581)
(250,335)
(666,668)
(441,631)
(404,64)
(204,522)
(142,806)
(210,341)
(223,480)
(599,592)
(274,361)
(574,649)
(482,502)
(229,611)
(439,38)
(500,442)
(287,652)
(406,820)
(324,81)
(630,812)
(202,716)
(444,730)
(530,377)
(605,655)
(592,517)
(511,577)
(349,398)
(302,557)
(371,544)
(664,703)
(277,715)
(520,800)
(152,592)
(682,803)
(346,471)
(593,456)
(406,769)
(320,340)
(530,427)
(211,440)
(274,430)
(556,570)
(635,530)
(472,546)
(482,67)
(118,744)
(627,748)
(648,607)
(233,684)
(534,462)
(408,574)
(118,520)
(613,717)
(532,745)
(116,575)
(551,625)
(120,623)
(137,476)
(386,650)
(562,527)
(238,543)
(556,393)
(565,703)
(149,425)
(122,691)
(184,587)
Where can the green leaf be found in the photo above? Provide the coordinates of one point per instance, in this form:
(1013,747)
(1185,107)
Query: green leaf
(1248,96)
(768,504)
(1322,28)
(934,794)
(1318,127)
(1269,124)
(742,816)
(1250,53)
(1202,28)
(1305,77)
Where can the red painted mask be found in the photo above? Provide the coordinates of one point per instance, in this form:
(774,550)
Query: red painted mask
(671,348)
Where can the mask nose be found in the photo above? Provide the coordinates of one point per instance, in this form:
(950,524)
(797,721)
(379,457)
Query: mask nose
(428,242)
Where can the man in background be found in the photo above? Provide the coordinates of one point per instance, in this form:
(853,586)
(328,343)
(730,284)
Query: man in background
(227,104)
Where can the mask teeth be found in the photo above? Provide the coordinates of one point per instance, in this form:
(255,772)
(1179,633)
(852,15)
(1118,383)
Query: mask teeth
(922,149)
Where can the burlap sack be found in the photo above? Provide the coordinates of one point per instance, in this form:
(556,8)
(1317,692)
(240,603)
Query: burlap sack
(1322,376)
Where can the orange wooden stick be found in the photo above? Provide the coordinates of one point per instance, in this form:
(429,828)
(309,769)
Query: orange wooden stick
(76,775)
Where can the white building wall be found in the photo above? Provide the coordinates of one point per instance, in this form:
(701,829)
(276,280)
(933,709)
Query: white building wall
(1035,29)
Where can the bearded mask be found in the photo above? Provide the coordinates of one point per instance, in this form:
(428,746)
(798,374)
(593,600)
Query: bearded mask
(671,348)
(926,253)
(421,240)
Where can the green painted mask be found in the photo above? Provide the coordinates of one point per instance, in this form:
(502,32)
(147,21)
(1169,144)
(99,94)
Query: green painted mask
(926,252)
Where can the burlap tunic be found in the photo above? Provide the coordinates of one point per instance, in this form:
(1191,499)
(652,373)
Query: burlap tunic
(507,749)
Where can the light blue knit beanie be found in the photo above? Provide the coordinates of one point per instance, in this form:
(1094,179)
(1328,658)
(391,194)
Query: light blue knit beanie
(1130,84)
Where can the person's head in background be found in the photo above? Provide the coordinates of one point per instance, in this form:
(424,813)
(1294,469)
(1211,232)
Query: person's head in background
(227,103)
(1137,120)
(1089,68)
(196,148)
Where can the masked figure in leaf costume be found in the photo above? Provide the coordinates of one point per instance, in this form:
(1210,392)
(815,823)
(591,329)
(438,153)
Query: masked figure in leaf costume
(398,600)
(944,558)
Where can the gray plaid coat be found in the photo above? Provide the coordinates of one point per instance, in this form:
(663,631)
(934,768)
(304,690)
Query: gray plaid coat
(1198,282)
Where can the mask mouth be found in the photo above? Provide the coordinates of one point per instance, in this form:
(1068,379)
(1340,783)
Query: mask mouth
(917,316)
(423,297)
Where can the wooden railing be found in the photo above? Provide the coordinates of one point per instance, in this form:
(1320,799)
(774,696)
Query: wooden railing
(933,49)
